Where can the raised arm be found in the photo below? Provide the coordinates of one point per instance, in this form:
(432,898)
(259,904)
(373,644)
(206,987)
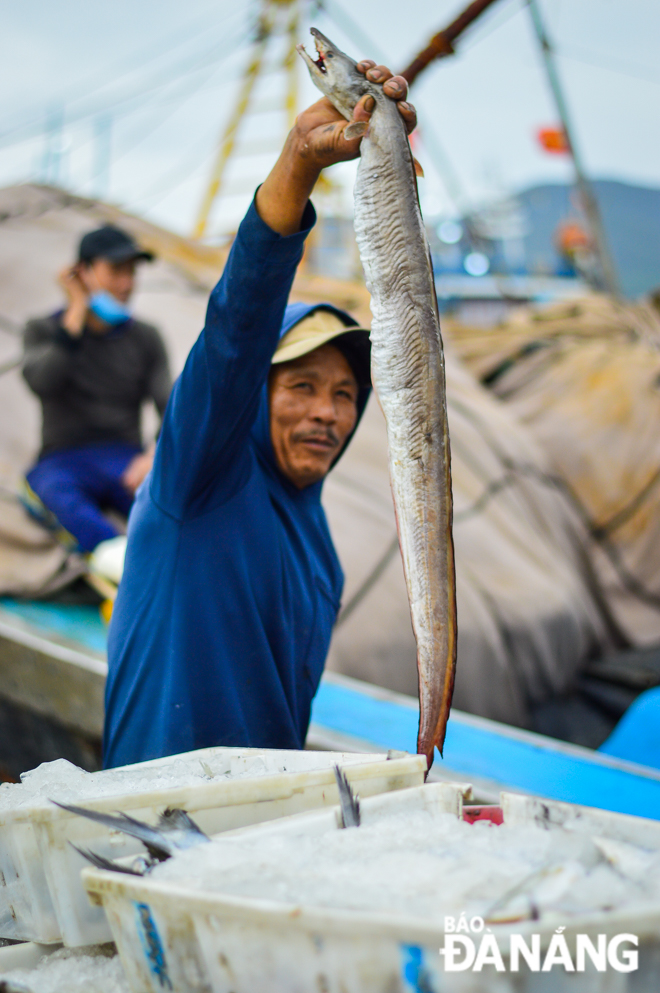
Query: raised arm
(47,350)
(215,401)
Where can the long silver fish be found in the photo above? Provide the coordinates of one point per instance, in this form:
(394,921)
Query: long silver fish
(408,374)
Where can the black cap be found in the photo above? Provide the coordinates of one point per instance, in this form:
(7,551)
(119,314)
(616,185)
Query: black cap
(112,244)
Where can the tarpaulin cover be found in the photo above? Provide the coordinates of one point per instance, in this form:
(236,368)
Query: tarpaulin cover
(584,379)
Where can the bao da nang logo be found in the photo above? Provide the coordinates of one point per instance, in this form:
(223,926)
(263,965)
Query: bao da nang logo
(470,945)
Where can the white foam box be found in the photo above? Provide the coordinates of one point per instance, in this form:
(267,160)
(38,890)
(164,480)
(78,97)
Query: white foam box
(174,937)
(41,896)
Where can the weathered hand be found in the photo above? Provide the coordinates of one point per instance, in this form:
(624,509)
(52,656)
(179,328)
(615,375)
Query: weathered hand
(77,300)
(395,87)
(319,130)
(317,141)
(70,281)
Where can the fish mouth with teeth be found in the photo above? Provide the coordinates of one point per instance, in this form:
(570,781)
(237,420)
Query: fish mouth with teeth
(336,75)
(321,53)
(320,62)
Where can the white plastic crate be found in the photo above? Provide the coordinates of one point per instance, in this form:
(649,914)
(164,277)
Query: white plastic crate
(175,937)
(26,955)
(42,898)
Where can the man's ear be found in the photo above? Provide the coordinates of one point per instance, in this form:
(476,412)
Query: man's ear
(84,270)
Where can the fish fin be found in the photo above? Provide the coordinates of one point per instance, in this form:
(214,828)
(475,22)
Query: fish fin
(350,804)
(103,863)
(113,821)
(355,130)
(418,168)
(154,841)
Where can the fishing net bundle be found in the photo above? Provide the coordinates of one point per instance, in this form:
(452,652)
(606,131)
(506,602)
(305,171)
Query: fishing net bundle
(529,612)
(584,379)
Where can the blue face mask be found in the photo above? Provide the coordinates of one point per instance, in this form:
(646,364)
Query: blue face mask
(108,308)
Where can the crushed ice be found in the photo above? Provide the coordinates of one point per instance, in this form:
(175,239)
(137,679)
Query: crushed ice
(63,781)
(73,970)
(426,865)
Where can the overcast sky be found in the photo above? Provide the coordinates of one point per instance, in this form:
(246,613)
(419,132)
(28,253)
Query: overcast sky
(160,77)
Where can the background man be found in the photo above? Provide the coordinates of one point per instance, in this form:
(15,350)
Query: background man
(92,366)
(232,585)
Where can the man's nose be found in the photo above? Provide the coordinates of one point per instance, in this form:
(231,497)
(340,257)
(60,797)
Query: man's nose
(324,409)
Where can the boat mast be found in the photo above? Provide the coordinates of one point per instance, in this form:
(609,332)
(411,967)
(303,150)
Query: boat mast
(605,278)
(442,44)
(277,17)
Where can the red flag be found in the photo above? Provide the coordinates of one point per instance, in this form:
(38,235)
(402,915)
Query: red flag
(553,140)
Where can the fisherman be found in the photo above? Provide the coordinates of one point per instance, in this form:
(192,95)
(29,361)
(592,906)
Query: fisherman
(231,584)
(92,365)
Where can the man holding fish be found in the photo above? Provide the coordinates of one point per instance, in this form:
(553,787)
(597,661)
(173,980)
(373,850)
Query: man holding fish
(231,583)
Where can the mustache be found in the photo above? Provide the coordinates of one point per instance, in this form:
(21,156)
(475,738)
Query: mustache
(328,435)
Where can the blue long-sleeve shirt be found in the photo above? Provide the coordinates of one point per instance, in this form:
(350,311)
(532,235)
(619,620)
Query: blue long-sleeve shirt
(231,583)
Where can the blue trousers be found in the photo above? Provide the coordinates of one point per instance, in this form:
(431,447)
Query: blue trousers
(76,483)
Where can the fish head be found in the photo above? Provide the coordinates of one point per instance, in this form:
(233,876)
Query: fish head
(335,74)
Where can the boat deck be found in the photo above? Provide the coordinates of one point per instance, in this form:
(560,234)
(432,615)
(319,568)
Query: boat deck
(52,664)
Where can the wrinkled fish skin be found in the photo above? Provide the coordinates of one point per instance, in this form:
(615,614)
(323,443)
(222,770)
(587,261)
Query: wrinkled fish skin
(409,377)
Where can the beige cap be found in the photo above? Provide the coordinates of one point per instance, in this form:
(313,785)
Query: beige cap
(313,331)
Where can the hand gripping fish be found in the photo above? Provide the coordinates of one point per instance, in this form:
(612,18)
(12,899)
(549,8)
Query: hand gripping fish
(408,374)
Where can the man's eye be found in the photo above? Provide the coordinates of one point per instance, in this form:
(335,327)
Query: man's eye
(346,395)
(302,386)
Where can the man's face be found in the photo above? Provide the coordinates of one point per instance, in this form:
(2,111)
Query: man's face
(313,409)
(116,278)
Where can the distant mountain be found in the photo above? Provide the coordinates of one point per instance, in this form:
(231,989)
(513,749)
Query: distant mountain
(631,215)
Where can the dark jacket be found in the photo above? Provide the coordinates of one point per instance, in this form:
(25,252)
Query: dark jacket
(231,584)
(92,388)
